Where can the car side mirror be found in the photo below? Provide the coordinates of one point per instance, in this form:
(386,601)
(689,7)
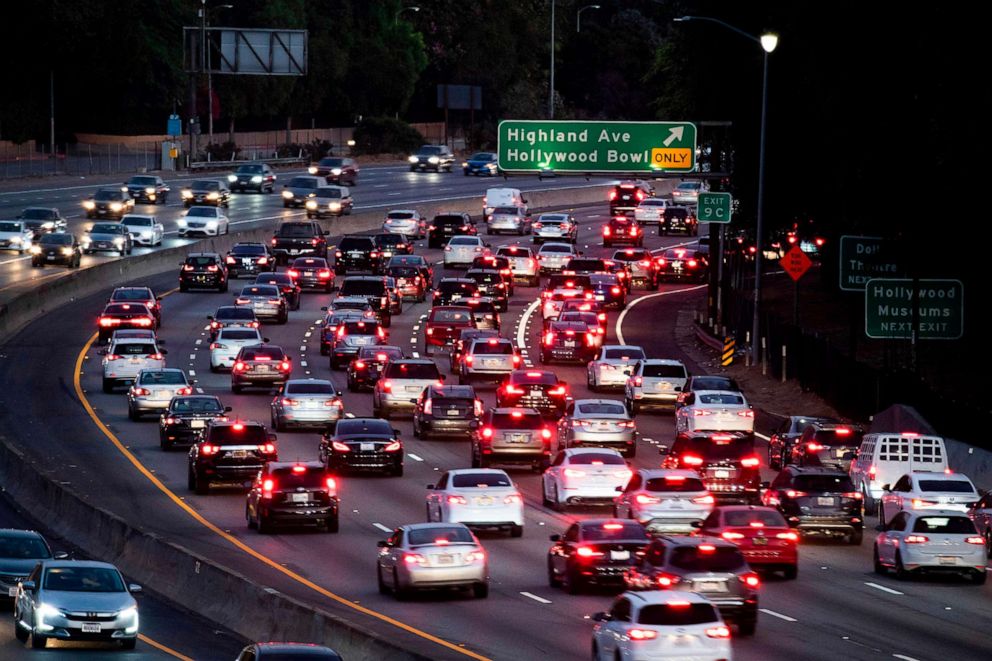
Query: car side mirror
(886,487)
(103,352)
(265,339)
(163,352)
(60,555)
(30,586)
(662,449)
(413,401)
(323,309)
(619,489)
(227,409)
(210,317)
(765,485)
(396,433)
(133,588)
(327,232)
(442,378)
(696,524)
(473,424)
(271,438)
(555,538)
(337,393)
(382,544)
(601,616)
(430,487)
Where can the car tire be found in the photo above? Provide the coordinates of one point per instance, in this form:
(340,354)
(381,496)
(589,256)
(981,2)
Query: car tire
(747,628)
(129,643)
(518,531)
(133,415)
(248,520)
(480,590)
(324,350)
(332,524)
(870,506)
(38,642)
(881,515)
(235,389)
(855,538)
(878,568)
(201,486)
(901,572)
(401,594)
(791,572)
(553,581)
(264,525)
(383,588)
(978,578)
(108,386)
(164,444)
(20,633)
(397,471)
(277,423)
(223,287)
(631,451)
(571,583)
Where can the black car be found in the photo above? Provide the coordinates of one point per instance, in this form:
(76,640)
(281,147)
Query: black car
(293,494)
(249,259)
(298,238)
(818,501)
(454,291)
(785,436)
(43,220)
(568,340)
(211,192)
(287,652)
(706,382)
(444,410)
(147,189)
(595,552)
(446,225)
(229,451)
(108,203)
(227,316)
(373,289)
(492,284)
(628,195)
(366,367)
(299,189)
(362,444)
(357,253)
(622,229)
(336,170)
(286,283)
(432,157)
(313,273)
(392,244)
(483,162)
(726,461)
(608,290)
(203,269)
(187,417)
(411,281)
(678,219)
(536,389)
(252,176)
(827,444)
(60,248)
(682,264)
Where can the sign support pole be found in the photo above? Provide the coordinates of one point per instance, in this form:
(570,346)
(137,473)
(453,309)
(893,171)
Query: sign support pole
(719,278)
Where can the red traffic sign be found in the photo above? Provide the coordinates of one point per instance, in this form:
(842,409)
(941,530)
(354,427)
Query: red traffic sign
(796,263)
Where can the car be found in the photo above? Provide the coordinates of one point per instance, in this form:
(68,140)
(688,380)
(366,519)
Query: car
(252,176)
(885,456)
(480,498)
(124,358)
(205,270)
(594,552)
(687,192)
(612,365)
(981,514)
(568,341)
(523,263)
(594,321)
(374,289)
(142,295)
(297,238)
(392,243)
(446,411)
(485,311)
(335,318)
(609,290)
(288,652)
(626,196)
(682,264)
(560,288)
(559,227)
(651,210)
(699,382)
(483,162)
(679,219)
(512,435)
(366,367)
(107,237)
(410,281)
(785,436)
(295,493)
(827,444)
(502,197)
(76,600)
(147,189)
(432,157)
(931,541)
(249,259)
(490,283)
(432,556)
(351,335)
(365,444)
(761,533)
(306,403)
(603,423)
(444,323)
(407,222)
(727,462)
(57,248)
(419,262)
(622,229)
(330,201)
(43,220)
(462,343)
(487,359)
(922,490)
(229,451)
(146,334)
(665,501)
(451,291)
(186,417)
(225,347)
(552,257)
(537,389)
(583,476)
(656,383)
(286,283)
(266,301)
(711,567)
(16,235)
(640,625)
(641,264)
(312,273)
(357,253)
(231,316)
(580,265)
(20,552)
(499,263)
(260,364)
(123,315)
(212,192)
(516,220)
(714,410)
(204,221)
(447,225)
(154,388)
(108,203)
(401,383)
(818,502)
(339,170)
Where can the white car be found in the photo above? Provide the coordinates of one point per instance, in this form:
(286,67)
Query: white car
(661,624)
(556,227)
(655,382)
(153,389)
(552,257)
(461,250)
(943,541)
(687,192)
(927,491)
(522,263)
(508,219)
(714,410)
(651,210)
(665,500)
(204,221)
(125,357)
(477,497)
(15,235)
(145,230)
(224,350)
(405,221)
(614,364)
(584,476)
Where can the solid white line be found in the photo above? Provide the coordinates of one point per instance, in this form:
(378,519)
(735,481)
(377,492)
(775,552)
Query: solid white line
(883,588)
(674,245)
(540,600)
(904,657)
(382,527)
(762,436)
(778,615)
(413,456)
(634,302)
(307,334)
(522,323)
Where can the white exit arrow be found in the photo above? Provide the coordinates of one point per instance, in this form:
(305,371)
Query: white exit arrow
(674,134)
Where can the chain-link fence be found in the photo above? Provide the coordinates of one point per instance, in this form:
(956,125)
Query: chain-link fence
(31,160)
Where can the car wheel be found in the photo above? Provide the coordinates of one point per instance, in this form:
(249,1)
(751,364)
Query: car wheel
(791,572)
(264,525)
(557,505)
(164,443)
(223,287)
(879,568)
(133,415)
(553,581)
(571,583)
(855,538)
(20,632)
(518,531)
(129,643)
(901,572)
(332,524)
(235,389)
(278,424)
(383,588)
(480,590)
(108,386)
(250,522)
(978,578)
(881,515)
(401,594)
(398,471)
(38,642)
(477,461)
(631,451)
(202,487)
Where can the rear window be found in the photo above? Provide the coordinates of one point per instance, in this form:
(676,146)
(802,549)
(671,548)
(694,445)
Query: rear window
(715,450)
(480,480)
(201,261)
(699,559)
(713,383)
(569,282)
(134,349)
(494,349)
(950,486)
(486,278)
(412,371)
(536,378)
(823,483)
(563,249)
(831,437)
(604,532)
(674,484)
(356,243)
(620,354)
(403,272)
(131,295)
(235,313)
(949,525)
(295,230)
(721,398)
(451,286)
(361,328)
(431,535)
(363,288)
(464,241)
(400,215)
(677,615)
(380,353)
(449,220)
(364,426)
(136,221)
(246,435)
(261,290)
(196,405)
(170,378)
(310,388)
(288,478)
(661,371)
(451,316)
(247,250)
(125,308)
(596,458)
(586,265)
(602,408)
(519,421)
(262,353)
(747,517)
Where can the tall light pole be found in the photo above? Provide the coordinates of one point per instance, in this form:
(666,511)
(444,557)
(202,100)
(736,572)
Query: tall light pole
(396,18)
(551,87)
(578,17)
(768,43)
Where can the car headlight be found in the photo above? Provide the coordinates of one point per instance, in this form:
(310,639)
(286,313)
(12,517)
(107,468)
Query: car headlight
(232,178)
(312,170)
(36,250)
(491,166)
(335,206)
(64,251)
(186,194)
(181,222)
(15,239)
(118,241)
(86,241)
(212,196)
(211,223)
(49,225)
(288,194)
(150,190)
(129,614)
(47,610)
(116,206)
(311,204)
(336,171)
(257,179)
(433,159)
(464,164)
(146,234)
(413,159)
(89,204)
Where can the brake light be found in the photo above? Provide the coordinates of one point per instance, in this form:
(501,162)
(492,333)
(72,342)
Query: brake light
(184,391)
(268,448)
(513,499)
(643,499)
(750,462)
(262,261)
(338,446)
(588,552)
(274,241)
(718,632)
(188,267)
(613,195)
(487,432)
(293,273)
(457,500)
(285,366)
(917,539)
(516,359)
(789,536)
(414,559)
(642,634)
(267,487)
(692,460)
(141,392)
(704,500)
(857,495)
(557,392)
(667,580)
(974,540)
(109,321)
(387,386)
(393,447)
(813,446)
(731,536)
(209,449)
(513,390)
(919,502)
(477,408)
(638,381)
(791,493)
(239,367)
(549,338)
(231,260)
(429,407)
(701,413)
(573,472)
(871,473)
(842,431)
(289,402)
(606,230)
(751,580)
(749,413)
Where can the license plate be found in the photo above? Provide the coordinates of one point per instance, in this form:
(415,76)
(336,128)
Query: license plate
(11,592)
(485,500)
(246,263)
(51,258)
(294,251)
(600,297)
(445,559)
(519,438)
(536,392)
(197,424)
(948,560)
(619,555)
(569,344)
(453,412)
(367,447)
(711,586)
(722,474)
(91,627)
(300,497)
(354,255)
(826,502)
(239,454)
(760,541)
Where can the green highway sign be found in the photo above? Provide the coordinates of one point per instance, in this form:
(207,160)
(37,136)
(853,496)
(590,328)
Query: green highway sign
(865,257)
(591,147)
(892,303)
(714,208)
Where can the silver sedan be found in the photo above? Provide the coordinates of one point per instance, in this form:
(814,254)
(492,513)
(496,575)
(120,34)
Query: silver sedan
(153,390)
(612,366)
(600,423)
(307,403)
(461,250)
(425,556)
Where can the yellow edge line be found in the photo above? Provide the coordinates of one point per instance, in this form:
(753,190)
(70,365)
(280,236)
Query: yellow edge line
(230,538)
(164,648)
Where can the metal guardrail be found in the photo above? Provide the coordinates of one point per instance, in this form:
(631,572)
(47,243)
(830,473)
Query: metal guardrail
(226,165)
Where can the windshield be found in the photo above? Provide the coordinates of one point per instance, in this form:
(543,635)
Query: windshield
(767,518)
(949,486)
(607,408)
(482,156)
(57,239)
(105,195)
(429,151)
(480,480)
(331,162)
(303,182)
(201,212)
(706,558)
(304,230)
(83,579)
(412,371)
(674,484)
(663,371)
(105,228)
(677,614)
(23,548)
(39,214)
(169,378)
(431,535)
(250,169)
(205,184)
(141,181)
(11,227)
(196,405)
(330,192)
(603,532)
(247,250)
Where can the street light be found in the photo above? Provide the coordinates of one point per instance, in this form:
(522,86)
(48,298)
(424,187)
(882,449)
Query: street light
(551,85)
(768,43)
(205,64)
(396,18)
(578,16)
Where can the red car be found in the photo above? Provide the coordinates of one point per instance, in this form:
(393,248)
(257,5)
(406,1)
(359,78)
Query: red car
(682,263)
(761,533)
(124,315)
(444,325)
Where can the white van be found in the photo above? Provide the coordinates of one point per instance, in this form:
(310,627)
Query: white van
(885,457)
(502,197)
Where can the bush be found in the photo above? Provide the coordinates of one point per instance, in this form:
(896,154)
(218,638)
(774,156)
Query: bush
(313,151)
(225,151)
(384,135)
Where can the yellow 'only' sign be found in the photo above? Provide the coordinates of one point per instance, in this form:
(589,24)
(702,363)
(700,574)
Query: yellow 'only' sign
(671,158)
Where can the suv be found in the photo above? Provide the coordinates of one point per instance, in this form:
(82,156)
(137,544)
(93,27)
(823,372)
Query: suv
(709,566)
(443,410)
(249,259)
(446,225)
(443,324)
(491,284)
(641,264)
(374,290)
(665,500)
(569,340)
(487,358)
(147,189)
(405,221)
(463,342)
(628,195)
(293,493)
(621,229)
(654,382)
(678,219)
(356,253)
(727,462)
(707,382)
(108,203)
(432,157)
(523,263)
(410,281)
(229,451)
(682,263)
(312,272)
(252,176)
(299,189)
(512,435)
(450,291)
(141,295)
(515,220)
(266,365)
(561,287)
(537,389)
(818,501)
(186,417)
(126,357)
(401,383)
(785,436)
(390,244)
(368,363)
(362,444)
(298,237)
(594,551)
(352,335)
(827,444)
(485,312)
(203,269)
(286,283)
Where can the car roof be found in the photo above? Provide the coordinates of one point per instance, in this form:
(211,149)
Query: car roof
(134,340)
(432,525)
(20,533)
(664,361)
(452,391)
(941,477)
(917,514)
(297,649)
(507,410)
(816,470)
(86,564)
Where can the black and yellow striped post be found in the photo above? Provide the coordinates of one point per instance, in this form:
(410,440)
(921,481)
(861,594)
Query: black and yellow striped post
(727,357)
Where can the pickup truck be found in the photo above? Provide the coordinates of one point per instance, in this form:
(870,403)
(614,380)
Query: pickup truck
(298,238)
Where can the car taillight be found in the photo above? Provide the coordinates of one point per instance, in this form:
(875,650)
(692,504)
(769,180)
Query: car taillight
(338,446)
(750,462)
(387,386)
(267,487)
(239,367)
(731,536)
(359,365)
(549,338)
(974,540)
(171,421)
(642,634)
(708,499)
(262,261)
(917,539)
(188,267)
(314,241)
(289,402)
(513,390)
(242,301)
(692,460)
(574,472)
(751,580)
(667,580)
(285,366)
(324,274)
(140,392)
(692,263)
(184,391)
(457,500)
(428,407)
(746,414)
(701,413)
(487,432)
(613,195)
(337,253)
(208,449)
(114,356)
(513,499)
(856,495)
(395,446)
(560,391)
(643,499)
(231,260)
(718,632)
(588,552)
(871,473)
(788,536)
(414,559)
(791,493)
(606,230)
(633,230)
(267,448)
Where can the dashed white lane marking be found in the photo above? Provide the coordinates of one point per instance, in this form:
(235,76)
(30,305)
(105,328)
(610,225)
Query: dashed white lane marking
(904,657)
(415,354)
(414,457)
(778,615)
(198,342)
(762,436)
(382,527)
(192,372)
(303,363)
(882,588)
(413,340)
(381,186)
(307,334)
(634,302)
(192,356)
(199,391)
(540,600)
(395,193)
(303,347)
